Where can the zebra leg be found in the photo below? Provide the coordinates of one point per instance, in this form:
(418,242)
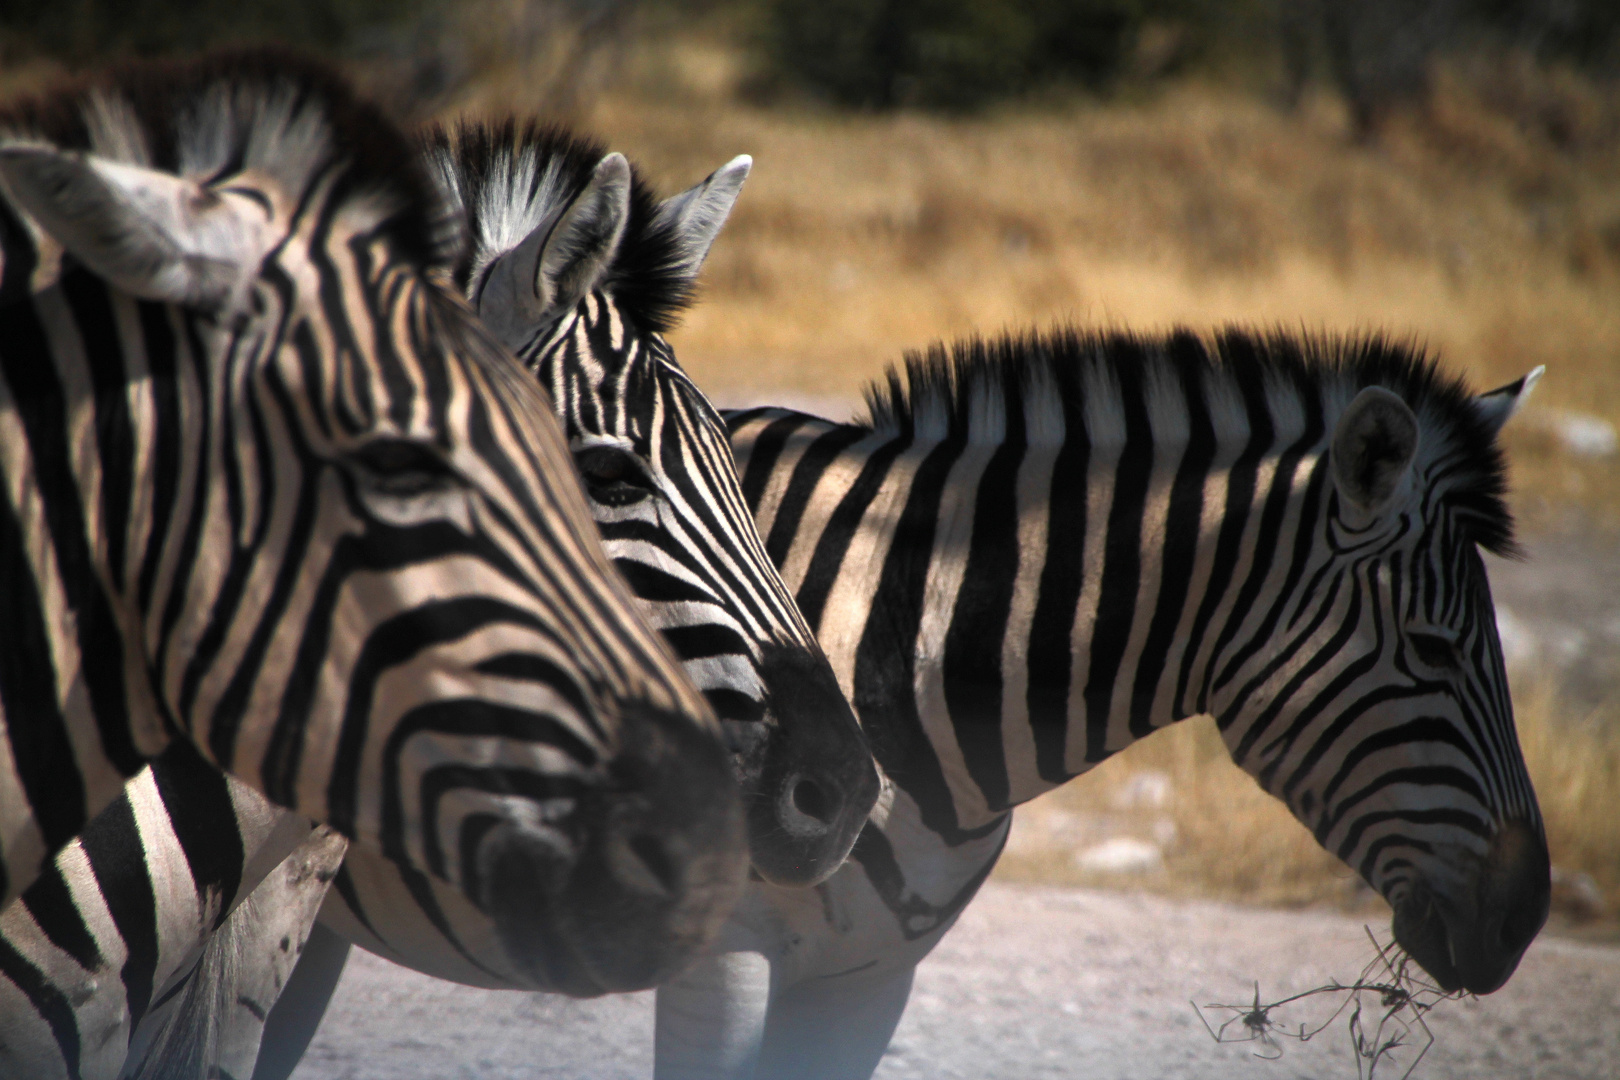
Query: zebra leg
(711,1020)
(298,1011)
(213,1027)
(833,1029)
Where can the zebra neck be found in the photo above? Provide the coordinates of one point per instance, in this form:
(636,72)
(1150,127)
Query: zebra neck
(1005,616)
(93,453)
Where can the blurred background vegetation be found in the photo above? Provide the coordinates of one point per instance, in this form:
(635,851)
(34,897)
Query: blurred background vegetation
(1445,170)
(953,55)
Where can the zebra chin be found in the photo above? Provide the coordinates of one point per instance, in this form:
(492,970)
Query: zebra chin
(1472,937)
(639,880)
(809,792)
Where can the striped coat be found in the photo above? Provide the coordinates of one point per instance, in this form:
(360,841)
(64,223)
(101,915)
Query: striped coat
(1041,548)
(270,489)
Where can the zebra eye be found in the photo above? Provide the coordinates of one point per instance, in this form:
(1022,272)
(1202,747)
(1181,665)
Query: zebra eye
(402,467)
(613,476)
(1434,650)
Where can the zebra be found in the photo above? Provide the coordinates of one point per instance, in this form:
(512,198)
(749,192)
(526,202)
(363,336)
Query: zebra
(662,485)
(272,491)
(656,462)
(104,942)
(1039,548)
(663,488)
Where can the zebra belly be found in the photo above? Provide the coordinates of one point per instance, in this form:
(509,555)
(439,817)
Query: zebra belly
(882,912)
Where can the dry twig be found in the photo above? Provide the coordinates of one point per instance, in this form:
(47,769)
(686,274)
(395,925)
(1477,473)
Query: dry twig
(1387,1005)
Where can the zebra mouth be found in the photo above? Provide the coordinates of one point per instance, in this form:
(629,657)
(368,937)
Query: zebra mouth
(1420,929)
(815,782)
(1474,941)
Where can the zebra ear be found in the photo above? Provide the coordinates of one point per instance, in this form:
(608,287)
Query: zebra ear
(557,264)
(152,234)
(1497,406)
(1373,450)
(698,213)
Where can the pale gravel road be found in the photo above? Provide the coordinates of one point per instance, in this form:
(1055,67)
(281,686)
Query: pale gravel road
(1036,982)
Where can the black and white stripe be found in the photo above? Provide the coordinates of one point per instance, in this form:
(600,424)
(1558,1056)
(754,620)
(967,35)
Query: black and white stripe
(103,942)
(1040,549)
(663,487)
(269,488)
(658,469)
(580,269)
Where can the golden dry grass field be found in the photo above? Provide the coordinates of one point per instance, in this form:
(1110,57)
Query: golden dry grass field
(1488,229)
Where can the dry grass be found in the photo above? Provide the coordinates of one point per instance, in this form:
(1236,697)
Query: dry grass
(1576,768)
(1489,230)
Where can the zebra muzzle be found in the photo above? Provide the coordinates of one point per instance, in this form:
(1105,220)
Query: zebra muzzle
(1473,938)
(639,878)
(816,782)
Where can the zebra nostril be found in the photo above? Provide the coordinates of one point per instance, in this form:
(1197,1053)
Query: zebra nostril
(812,801)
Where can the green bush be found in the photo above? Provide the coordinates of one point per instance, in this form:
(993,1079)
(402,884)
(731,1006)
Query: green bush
(958,54)
(952,54)
(85,31)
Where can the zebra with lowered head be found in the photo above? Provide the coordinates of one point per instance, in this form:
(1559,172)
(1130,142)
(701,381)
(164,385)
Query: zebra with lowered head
(1039,549)
(271,490)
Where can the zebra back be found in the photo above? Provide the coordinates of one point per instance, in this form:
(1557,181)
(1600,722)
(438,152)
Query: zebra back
(1041,548)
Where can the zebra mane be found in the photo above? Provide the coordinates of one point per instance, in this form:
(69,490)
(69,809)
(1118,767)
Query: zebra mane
(288,117)
(509,177)
(1067,378)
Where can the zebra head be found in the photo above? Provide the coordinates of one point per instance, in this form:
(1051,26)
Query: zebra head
(578,269)
(1366,687)
(334,526)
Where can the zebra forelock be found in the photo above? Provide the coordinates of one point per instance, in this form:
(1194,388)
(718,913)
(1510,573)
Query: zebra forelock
(510,177)
(952,391)
(286,117)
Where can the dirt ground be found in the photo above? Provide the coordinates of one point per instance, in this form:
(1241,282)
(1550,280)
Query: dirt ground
(1036,982)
